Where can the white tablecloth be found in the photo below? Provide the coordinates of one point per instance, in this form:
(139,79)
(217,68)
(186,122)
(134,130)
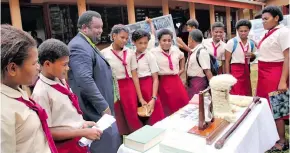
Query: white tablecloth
(256,134)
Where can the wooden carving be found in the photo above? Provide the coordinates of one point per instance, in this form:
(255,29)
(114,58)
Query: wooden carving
(210,130)
(220,143)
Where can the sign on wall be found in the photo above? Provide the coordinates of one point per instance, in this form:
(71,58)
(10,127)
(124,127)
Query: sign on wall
(158,22)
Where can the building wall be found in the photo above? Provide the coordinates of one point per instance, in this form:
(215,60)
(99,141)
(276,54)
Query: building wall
(144,3)
(278,2)
(202,10)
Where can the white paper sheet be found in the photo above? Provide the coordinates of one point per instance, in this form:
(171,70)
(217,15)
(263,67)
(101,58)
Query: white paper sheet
(105,122)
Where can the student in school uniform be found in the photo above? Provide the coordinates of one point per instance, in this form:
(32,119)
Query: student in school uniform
(273,64)
(148,75)
(191,24)
(124,65)
(197,75)
(239,51)
(23,122)
(53,93)
(171,62)
(215,45)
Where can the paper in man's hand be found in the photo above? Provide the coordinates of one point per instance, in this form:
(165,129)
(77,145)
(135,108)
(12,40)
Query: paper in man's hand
(105,122)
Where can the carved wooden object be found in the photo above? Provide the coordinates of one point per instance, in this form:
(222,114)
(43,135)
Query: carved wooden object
(220,143)
(209,130)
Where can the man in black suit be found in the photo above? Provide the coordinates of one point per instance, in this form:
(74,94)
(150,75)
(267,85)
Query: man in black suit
(90,77)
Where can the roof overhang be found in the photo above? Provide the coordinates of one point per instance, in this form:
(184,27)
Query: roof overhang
(245,4)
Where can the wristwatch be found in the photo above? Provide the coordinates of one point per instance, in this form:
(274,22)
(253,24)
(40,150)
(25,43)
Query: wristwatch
(155,98)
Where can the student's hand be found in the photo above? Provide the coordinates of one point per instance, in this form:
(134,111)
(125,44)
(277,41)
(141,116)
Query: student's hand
(252,57)
(150,106)
(143,102)
(148,20)
(107,111)
(282,87)
(180,72)
(88,124)
(92,133)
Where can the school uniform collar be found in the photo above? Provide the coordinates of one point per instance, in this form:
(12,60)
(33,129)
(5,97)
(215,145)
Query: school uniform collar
(124,48)
(280,26)
(143,53)
(277,27)
(12,93)
(51,82)
(146,50)
(211,41)
(240,40)
(161,50)
(197,47)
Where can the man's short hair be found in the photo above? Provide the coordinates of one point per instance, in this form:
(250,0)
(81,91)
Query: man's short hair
(192,23)
(196,35)
(86,18)
(217,25)
(243,22)
(51,50)
(274,11)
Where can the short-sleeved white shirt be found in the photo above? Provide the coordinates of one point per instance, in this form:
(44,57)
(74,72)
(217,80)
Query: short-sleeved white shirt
(147,64)
(207,43)
(117,65)
(239,56)
(193,69)
(163,62)
(271,49)
(21,129)
(60,110)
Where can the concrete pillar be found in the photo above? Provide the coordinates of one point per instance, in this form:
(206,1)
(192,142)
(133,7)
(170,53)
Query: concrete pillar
(15,13)
(192,10)
(81,6)
(165,7)
(251,14)
(211,14)
(228,21)
(131,11)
